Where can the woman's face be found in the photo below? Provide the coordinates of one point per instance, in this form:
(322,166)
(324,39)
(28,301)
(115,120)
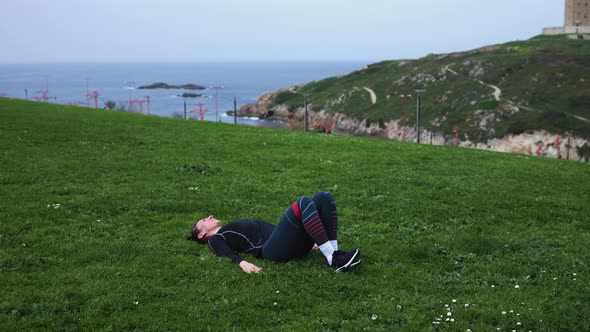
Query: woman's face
(206,226)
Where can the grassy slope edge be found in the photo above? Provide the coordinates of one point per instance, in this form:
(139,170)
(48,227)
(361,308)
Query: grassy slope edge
(95,206)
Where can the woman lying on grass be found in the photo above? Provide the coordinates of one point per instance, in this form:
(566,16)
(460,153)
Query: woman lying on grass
(307,222)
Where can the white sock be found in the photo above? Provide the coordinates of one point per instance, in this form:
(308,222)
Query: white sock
(327,250)
(334,244)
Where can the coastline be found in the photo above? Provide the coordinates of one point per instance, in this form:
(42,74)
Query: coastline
(70,83)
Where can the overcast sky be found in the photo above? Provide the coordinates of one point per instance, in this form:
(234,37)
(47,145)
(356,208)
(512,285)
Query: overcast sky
(249,30)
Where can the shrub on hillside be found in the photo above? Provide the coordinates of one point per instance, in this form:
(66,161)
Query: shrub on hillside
(491,104)
(584,152)
(109,104)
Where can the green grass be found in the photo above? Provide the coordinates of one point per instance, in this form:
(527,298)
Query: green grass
(434,224)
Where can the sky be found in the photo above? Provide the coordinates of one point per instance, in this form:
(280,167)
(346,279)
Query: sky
(262,30)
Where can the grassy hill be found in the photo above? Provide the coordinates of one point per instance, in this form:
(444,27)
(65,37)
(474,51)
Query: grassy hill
(543,82)
(95,207)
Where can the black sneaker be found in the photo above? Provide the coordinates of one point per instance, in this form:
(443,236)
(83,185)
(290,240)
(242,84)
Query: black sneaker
(343,260)
(355,261)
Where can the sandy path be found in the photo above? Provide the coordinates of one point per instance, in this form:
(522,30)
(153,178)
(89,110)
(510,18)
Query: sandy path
(447,68)
(497,91)
(498,94)
(373,95)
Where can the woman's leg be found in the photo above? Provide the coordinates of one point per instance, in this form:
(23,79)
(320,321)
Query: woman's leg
(326,208)
(301,226)
(326,205)
(289,239)
(297,231)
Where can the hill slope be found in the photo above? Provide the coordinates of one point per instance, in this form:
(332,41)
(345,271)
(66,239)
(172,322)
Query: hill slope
(490,92)
(95,205)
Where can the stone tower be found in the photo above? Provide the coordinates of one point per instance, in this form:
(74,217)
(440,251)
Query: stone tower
(577,12)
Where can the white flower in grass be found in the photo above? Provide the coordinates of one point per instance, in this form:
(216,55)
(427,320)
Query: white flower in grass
(374,317)
(274,303)
(519,323)
(503,312)
(454,301)
(136,302)
(452,319)
(516,286)
(278,292)
(466,305)
(446,305)
(575,274)
(493,286)
(448,319)
(511,311)
(449,313)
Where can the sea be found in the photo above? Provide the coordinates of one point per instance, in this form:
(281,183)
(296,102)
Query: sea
(93,84)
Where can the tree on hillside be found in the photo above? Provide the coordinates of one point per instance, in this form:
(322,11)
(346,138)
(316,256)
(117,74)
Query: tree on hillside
(109,104)
(584,152)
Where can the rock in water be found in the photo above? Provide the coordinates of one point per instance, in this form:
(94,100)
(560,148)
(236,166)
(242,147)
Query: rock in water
(161,85)
(190,95)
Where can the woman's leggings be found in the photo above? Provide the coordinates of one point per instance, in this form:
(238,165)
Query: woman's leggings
(307,221)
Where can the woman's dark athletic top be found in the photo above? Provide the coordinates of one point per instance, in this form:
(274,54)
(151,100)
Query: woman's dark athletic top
(244,235)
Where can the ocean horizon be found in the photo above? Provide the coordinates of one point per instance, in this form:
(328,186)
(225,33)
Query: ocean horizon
(70,83)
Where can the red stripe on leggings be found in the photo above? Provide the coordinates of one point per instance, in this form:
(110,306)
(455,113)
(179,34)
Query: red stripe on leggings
(315,234)
(314,227)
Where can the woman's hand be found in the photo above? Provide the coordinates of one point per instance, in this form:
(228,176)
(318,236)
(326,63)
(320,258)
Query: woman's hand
(249,267)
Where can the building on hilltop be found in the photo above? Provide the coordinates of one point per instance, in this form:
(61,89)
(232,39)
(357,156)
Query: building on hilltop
(577,19)
(577,13)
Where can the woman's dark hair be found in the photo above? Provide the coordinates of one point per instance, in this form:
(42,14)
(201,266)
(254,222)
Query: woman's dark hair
(194,235)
